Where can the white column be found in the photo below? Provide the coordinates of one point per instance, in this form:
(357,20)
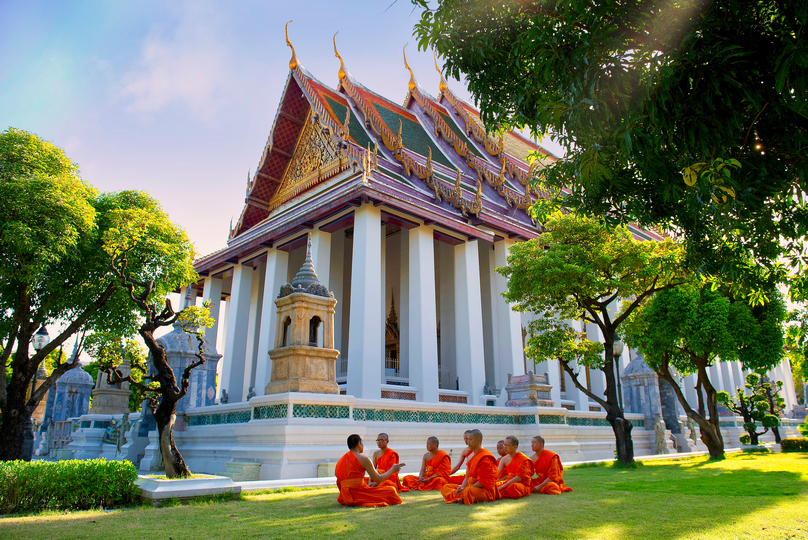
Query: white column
(554,378)
(510,356)
(404,308)
(580,397)
(469,346)
(276,272)
(783,373)
(237,328)
(367,320)
(212,292)
(254,325)
(321,258)
(715,378)
(383,301)
(689,390)
(729,377)
(336,275)
(422,337)
(221,346)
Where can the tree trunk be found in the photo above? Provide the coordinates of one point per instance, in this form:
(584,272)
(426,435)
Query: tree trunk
(709,428)
(622,436)
(12,431)
(166,416)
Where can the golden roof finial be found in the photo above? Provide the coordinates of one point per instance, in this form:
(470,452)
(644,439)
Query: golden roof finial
(399,138)
(342,73)
(411,85)
(293,60)
(457,184)
(442,86)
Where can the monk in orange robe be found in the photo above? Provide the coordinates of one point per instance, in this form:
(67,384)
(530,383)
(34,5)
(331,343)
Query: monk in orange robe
(502,453)
(350,472)
(518,469)
(435,469)
(463,455)
(480,483)
(549,472)
(383,459)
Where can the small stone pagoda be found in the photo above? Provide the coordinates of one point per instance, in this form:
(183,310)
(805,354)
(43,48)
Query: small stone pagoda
(111,398)
(300,363)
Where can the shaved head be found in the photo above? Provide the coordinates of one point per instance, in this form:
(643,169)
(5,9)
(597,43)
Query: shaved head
(512,440)
(539,439)
(433,440)
(476,434)
(383,436)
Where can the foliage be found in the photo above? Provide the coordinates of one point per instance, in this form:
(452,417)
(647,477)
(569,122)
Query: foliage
(803,429)
(57,236)
(794,444)
(111,351)
(754,407)
(27,486)
(796,347)
(688,114)
(575,271)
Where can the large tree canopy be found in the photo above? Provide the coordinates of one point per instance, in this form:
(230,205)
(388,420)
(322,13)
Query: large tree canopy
(579,270)
(690,114)
(60,242)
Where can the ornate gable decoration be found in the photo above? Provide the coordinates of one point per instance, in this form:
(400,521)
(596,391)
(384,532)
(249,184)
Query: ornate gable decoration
(316,157)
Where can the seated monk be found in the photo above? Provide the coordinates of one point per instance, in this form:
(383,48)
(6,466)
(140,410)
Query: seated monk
(383,459)
(519,472)
(549,471)
(350,472)
(502,453)
(463,455)
(480,483)
(435,469)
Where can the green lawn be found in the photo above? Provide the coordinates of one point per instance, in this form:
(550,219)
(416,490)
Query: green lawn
(744,496)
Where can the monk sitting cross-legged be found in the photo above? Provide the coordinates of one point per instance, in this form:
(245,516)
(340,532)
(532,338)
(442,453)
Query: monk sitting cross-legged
(383,459)
(463,455)
(548,469)
(519,472)
(350,472)
(435,468)
(480,483)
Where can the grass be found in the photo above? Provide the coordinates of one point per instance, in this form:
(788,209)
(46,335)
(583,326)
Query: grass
(743,496)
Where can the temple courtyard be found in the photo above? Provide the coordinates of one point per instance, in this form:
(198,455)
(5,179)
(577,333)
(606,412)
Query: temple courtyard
(747,495)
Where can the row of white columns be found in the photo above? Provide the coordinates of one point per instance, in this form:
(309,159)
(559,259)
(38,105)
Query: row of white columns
(249,329)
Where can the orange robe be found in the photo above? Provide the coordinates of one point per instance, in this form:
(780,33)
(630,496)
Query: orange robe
(384,463)
(520,466)
(440,464)
(548,465)
(482,467)
(458,479)
(353,489)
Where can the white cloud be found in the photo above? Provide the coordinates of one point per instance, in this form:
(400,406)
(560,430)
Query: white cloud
(184,61)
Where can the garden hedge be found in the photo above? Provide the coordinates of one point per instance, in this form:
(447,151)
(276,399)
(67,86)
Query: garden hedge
(27,486)
(794,444)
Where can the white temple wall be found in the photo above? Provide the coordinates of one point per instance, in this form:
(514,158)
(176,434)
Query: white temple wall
(347,268)
(404,306)
(337,285)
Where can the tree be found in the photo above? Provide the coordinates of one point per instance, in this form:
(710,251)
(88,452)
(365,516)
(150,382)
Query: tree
(132,229)
(754,407)
(692,115)
(53,266)
(690,328)
(797,349)
(575,271)
(112,350)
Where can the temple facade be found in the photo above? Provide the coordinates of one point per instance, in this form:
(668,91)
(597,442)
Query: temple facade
(410,208)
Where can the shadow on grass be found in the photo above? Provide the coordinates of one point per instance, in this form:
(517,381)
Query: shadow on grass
(681,499)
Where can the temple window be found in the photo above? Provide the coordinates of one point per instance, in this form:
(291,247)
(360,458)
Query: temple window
(287,322)
(314,326)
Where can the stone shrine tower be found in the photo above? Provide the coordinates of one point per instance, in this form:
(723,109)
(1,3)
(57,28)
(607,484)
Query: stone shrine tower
(299,362)
(111,398)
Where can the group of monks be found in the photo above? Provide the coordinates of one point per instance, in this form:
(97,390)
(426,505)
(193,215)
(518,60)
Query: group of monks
(487,478)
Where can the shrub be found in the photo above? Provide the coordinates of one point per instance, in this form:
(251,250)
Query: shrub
(66,485)
(804,428)
(794,444)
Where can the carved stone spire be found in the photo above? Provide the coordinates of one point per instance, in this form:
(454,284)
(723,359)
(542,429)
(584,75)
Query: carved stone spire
(306,280)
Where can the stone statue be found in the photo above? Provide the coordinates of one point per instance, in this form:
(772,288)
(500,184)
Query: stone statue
(125,425)
(691,425)
(251,393)
(486,389)
(111,433)
(224,398)
(659,432)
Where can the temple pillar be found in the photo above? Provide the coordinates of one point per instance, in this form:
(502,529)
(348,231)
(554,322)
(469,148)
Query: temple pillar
(235,353)
(422,337)
(404,309)
(212,292)
(277,267)
(510,355)
(321,258)
(716,379)
(366,337)
(383,302)
(254,327)
(554,379)
(335,284)
(469,345)
(729,377)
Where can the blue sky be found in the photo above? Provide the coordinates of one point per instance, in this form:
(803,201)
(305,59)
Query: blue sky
(177,98)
